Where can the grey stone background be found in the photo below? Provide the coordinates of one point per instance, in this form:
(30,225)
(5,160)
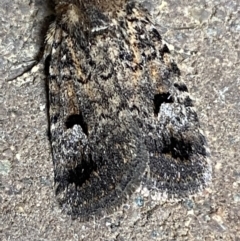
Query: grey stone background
(28,209)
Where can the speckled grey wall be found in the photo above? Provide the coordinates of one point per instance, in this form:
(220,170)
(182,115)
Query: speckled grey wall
(28,209)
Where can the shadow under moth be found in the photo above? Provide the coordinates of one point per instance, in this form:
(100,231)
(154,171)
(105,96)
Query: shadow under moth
(120,114)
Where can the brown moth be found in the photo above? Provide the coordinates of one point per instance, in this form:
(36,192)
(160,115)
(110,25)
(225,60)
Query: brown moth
(120,114)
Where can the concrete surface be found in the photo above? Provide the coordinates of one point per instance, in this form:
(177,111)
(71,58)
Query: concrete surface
(28,209)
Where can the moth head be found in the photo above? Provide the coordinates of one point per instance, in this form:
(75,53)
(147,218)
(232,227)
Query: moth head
(70,14)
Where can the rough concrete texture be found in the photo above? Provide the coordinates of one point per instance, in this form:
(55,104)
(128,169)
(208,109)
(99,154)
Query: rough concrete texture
(28,209)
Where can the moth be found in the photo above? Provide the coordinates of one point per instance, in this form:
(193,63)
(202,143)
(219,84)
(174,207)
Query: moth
(119,111)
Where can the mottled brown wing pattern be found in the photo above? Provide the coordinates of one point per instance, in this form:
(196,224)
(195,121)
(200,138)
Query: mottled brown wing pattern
(119,112)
